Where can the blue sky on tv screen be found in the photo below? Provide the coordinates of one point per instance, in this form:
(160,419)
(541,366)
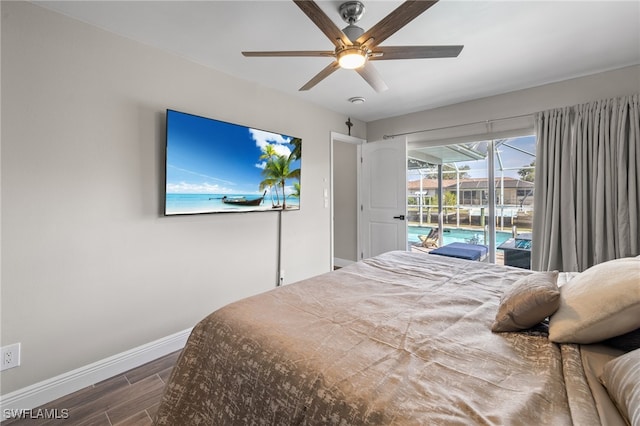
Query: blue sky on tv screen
(206,156)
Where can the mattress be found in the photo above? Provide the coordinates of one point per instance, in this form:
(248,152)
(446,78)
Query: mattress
(398,339)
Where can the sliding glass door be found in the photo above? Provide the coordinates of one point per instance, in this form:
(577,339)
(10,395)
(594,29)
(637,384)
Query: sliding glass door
(487,195)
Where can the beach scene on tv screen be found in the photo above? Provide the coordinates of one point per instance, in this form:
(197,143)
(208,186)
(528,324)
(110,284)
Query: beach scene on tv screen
(218,167)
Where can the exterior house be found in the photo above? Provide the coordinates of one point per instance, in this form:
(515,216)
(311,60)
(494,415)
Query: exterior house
(509,191)
(473,191)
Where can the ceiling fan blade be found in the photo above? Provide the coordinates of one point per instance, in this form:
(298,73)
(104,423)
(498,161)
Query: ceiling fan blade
(322,21)
(372,76)
(326,72)
(329,53)
(405,13)
(414,52)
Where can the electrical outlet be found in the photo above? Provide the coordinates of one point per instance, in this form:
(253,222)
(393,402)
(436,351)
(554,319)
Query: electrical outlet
(10,356)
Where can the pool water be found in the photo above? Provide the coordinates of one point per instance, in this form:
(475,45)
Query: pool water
(452,235)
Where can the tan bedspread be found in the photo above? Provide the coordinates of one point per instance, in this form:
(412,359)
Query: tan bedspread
(403,338)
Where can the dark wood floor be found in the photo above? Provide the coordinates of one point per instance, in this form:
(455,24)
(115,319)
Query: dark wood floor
(130,399)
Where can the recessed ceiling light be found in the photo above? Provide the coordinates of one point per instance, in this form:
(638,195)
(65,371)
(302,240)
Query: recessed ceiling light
(357,100)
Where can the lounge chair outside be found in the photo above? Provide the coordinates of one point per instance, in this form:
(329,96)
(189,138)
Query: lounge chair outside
(431,240)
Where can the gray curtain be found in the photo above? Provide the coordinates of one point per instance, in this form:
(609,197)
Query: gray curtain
(587,194)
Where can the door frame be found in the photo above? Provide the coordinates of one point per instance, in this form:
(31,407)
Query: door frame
(342,138)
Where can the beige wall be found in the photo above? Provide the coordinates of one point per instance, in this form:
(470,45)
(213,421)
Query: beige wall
(345,200)
(90,267)
(609,84)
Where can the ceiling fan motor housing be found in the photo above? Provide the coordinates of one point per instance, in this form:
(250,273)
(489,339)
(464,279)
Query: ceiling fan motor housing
(353,32)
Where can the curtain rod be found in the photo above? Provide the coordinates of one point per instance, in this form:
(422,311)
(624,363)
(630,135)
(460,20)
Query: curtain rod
(385,137)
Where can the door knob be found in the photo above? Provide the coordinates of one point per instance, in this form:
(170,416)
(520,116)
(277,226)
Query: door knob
(401,217)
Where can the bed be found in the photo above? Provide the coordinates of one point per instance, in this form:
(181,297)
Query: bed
(399,339)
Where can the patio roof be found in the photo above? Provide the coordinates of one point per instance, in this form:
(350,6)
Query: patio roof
(446,154)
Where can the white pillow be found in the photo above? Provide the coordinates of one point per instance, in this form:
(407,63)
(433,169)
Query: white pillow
(599,303)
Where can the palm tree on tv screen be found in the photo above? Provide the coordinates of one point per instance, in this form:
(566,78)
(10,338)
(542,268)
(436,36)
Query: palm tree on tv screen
(297,148)
(279,170)
(270,184)
(296,190)
(268,154)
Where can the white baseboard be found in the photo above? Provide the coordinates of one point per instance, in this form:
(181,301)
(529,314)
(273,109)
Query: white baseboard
(51,389)
(342,262)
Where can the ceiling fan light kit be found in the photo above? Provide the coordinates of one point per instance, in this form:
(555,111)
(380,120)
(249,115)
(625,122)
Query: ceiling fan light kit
(355,48)
(351,57)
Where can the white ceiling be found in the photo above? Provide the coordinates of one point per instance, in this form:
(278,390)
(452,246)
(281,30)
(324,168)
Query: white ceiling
(508,45)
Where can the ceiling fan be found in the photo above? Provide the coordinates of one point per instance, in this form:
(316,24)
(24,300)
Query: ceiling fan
(355,47)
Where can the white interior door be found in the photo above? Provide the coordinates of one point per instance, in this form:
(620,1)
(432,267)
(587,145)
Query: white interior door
(383,225)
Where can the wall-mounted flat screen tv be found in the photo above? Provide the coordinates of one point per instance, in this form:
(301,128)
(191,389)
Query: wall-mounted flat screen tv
(218,167)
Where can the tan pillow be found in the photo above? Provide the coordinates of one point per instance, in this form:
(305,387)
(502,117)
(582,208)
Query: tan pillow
(599,303)
(527,302)
(621,377)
